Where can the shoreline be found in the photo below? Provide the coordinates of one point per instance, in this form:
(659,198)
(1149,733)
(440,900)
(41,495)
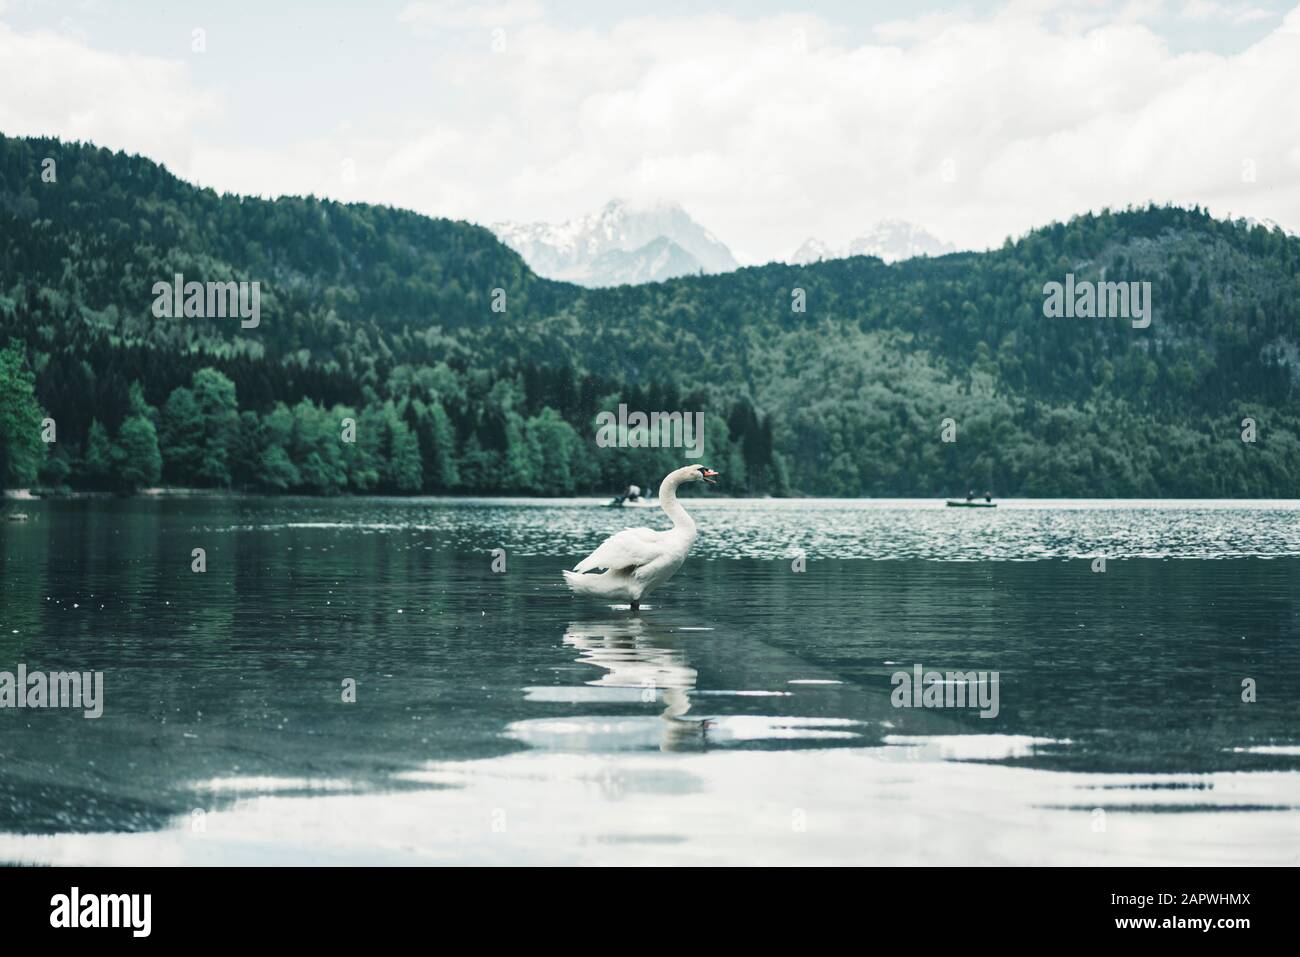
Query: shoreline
(175,492)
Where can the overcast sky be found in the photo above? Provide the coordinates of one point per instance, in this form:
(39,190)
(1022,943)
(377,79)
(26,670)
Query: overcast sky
(769,122)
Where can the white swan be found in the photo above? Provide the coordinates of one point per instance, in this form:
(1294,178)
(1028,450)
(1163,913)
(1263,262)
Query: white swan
(639,559)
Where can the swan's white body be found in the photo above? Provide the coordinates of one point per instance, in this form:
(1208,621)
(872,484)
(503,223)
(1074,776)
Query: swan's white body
(637,560)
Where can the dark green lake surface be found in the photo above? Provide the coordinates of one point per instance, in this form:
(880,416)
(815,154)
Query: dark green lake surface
(1120,689)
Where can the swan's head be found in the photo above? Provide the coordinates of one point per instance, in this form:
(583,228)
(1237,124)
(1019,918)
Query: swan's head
(697,473)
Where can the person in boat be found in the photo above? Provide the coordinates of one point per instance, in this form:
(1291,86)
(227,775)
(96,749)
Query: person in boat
(631,494)
(988,496)
(970,495)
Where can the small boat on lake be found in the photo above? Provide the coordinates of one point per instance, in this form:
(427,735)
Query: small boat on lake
(631,498)
(957,503)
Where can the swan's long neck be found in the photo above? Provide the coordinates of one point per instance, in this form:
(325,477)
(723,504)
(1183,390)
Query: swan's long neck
(668,502)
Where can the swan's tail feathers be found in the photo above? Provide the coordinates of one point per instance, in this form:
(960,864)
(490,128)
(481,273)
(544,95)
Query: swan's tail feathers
(581,584)
(608,584)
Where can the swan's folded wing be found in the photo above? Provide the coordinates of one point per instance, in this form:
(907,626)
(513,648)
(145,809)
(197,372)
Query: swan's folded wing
(628,549)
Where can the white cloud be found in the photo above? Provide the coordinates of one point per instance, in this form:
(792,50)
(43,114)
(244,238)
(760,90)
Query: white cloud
(1205,11)
(925,27)
(767,130)
(465,13)
(766,144)
(58,86)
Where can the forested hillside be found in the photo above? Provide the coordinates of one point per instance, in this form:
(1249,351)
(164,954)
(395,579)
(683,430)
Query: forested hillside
(386,317)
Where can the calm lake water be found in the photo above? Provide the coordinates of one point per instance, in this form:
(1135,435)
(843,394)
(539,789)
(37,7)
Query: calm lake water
(744,716)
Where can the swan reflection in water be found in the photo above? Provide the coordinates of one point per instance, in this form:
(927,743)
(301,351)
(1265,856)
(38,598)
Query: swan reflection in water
(650,658)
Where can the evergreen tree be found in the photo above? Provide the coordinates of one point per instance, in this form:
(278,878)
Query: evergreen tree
(275,470)
(441,469)
(520,462)
(245,457)
(97,461)
(364,457)
(278,473)
(21,448)
(214,394)
(57,469)
(182,438)
(136,460)
(404,473)
(316,450)
(557,444)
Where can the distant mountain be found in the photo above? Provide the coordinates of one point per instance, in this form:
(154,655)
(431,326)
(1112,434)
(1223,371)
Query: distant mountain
(619,244)
(658,259)
(1266,223)
(891,240)
(813,251)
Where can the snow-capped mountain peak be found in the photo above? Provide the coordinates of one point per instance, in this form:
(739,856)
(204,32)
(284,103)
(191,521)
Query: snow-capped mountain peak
(813,250)
(602,248)
(890,239)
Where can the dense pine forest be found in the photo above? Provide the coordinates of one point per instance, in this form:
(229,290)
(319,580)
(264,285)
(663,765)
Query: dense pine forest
(460,371)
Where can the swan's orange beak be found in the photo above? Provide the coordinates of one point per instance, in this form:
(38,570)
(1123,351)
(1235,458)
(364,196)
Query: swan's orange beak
(709,475)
